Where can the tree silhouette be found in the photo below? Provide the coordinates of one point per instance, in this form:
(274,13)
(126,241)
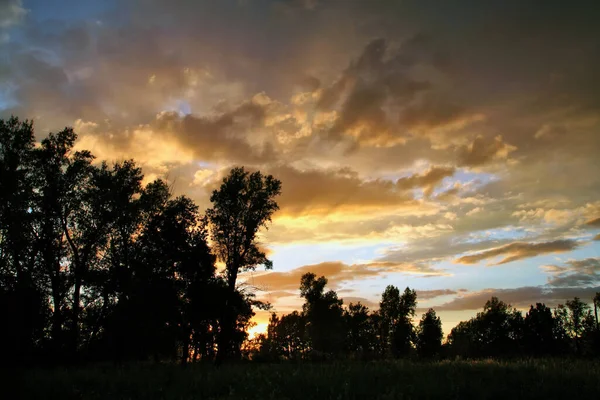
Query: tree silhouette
(361,334)
(577,320)
(496,331)
(68,227)
(429,335)
(540,331)
(324,315)
(286,337)
(22,303)
(396,313)
(241,207)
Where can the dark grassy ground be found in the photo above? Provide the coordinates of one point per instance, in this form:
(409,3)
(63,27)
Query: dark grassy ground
(540,379)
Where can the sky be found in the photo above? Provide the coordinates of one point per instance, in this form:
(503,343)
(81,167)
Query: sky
(452,147)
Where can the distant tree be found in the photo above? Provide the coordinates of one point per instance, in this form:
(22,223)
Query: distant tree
(324,315)
(380,332)
(540,331)
(495,332)
(464,339)
(576,319)
(397,312)
(361,336)
(389,310)
(429,335)
(241,207)
(286,337)
(501,328)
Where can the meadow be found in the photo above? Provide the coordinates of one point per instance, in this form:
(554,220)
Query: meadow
(487,379)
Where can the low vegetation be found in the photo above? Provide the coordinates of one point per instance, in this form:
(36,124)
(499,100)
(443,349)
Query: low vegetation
(539,379)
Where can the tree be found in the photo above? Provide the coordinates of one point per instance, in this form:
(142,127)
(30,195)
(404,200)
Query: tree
(22,304)
(324,315)
(286,337)
(397,312)
(539,331)
(496,331)
(69,231)
(241,207)
(575,318)
(361,335)
(464,340)
(429,335)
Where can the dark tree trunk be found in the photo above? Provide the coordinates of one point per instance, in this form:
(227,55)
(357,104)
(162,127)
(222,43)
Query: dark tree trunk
(75,315)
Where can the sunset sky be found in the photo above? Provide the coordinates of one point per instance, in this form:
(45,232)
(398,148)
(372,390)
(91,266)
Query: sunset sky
(453,147)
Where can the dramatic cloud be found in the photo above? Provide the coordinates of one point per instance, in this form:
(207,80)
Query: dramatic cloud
(321,191)
(408,135)
(519,250)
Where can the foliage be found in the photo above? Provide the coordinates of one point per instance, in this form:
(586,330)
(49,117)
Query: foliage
(241,207)
(95,265)
(430,335)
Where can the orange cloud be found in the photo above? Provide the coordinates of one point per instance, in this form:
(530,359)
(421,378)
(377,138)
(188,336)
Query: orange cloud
(520,250)
(428,180)
(336,272)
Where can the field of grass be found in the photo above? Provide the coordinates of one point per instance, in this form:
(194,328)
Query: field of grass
(540,379)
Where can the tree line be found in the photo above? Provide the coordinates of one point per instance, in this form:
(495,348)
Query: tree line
(96,265)
(324,329)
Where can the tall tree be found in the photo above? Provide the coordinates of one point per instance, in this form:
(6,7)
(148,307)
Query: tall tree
(324,315)
(540,331)
(429,334)
(242,206)
(361,336)
(22,305)
(574,316)
(67,232)
(397,312)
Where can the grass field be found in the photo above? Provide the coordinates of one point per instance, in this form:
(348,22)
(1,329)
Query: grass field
(540,379)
